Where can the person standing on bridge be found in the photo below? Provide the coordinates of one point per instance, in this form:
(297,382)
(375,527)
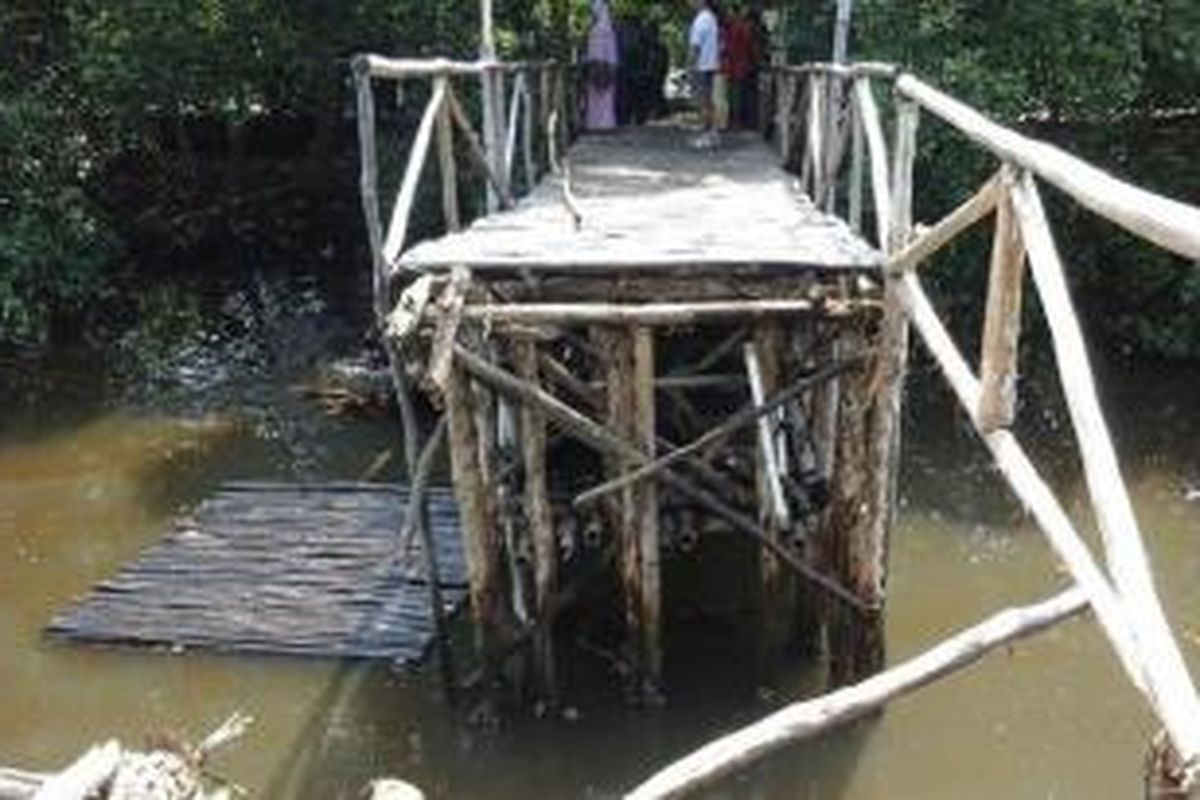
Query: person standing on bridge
(704,58)
(602,65)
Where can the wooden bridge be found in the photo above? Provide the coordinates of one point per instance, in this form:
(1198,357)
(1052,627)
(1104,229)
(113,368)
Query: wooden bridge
(656,338)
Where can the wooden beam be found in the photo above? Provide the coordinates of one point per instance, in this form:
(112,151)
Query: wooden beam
(1170,224)
(655,313)
(646,501)
(931,240)
(475,148)
(1179,706)
(809,718)
(1002,322)
(406,68)
(768,453)
(418,155)
(877,154)
(477,513)
(451,214)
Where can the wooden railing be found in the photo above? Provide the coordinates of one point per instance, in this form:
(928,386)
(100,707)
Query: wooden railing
(532,117)
(824,112)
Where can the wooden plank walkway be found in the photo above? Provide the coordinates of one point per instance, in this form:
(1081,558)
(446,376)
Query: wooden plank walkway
(289,569)
(651,203)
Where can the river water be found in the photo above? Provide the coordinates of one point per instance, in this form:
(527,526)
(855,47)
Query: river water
(92,470)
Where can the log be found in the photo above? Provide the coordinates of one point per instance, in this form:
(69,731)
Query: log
(655,313)
(930,241)
(1170,224)
(877,154)
(1178,704)
(606,442)
(810,718)
(393,243)
(1002,322)
(742,419)
(478,518)
(85,777)
(857,146)
(451,213)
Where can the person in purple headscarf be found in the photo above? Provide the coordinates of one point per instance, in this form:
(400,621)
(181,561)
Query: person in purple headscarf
(601,69)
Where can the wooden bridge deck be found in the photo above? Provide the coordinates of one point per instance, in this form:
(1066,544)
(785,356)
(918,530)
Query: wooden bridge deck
(650,203)
(281,569)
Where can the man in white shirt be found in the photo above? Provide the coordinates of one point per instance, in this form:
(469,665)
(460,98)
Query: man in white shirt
(704,55)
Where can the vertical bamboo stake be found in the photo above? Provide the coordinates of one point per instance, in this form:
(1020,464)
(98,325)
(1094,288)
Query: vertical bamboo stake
(527,134)
(445,136)
(540,520)
(645,421)
(1002,323)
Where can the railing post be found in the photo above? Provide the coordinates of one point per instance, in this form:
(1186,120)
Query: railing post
(1002,321)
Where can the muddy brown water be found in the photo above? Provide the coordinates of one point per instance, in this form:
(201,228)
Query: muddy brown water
(81,493)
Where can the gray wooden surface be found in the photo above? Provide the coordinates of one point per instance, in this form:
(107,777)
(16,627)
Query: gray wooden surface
(652,203)
(281,569)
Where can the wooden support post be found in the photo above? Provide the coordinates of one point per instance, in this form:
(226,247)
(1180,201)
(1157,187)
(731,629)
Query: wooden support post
(476,506)
(1002,323)
(369,183)
(646,498)
(540,521)
(451,214)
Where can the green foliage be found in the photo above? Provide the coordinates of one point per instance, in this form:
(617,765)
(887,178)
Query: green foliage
(1090,75)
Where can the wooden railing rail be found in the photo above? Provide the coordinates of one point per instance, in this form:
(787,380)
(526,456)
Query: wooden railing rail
(1120,588)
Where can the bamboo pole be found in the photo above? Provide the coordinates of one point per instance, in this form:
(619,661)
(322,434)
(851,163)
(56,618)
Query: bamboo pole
(814,153)
(1178,704)
(527,127)
(1170,224)
(398,228)
(810,718)
(877,153)
(513,127)
(606,442)
(1002,321)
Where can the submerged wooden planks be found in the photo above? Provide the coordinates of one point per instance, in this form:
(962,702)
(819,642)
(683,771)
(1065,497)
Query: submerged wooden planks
(309,570)
(650,203)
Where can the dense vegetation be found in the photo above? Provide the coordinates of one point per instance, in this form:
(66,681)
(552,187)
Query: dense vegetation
(143,137)
(1117,81)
